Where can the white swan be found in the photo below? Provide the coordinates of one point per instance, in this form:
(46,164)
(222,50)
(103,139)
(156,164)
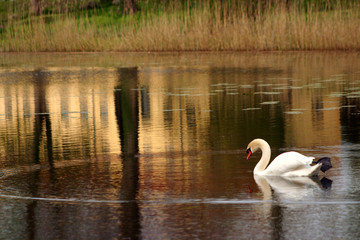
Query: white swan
(286,164)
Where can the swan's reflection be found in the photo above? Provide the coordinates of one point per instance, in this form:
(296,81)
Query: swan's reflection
(290,188)
(279,190)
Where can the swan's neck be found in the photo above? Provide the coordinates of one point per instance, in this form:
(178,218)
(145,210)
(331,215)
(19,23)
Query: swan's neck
(264,160)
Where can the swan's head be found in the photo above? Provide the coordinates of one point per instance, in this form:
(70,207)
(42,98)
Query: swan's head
(253,146)
(248,152)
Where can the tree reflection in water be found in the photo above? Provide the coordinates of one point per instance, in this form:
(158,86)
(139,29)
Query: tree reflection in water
(126,100)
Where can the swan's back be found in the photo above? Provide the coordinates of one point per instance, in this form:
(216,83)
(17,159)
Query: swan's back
(291,164)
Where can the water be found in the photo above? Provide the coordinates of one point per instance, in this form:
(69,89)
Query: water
(152,146)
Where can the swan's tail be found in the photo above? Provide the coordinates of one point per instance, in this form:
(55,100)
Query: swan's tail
(325,163)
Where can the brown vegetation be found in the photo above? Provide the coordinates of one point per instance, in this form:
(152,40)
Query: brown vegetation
(208,27)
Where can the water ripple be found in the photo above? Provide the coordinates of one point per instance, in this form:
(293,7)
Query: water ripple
(179,201)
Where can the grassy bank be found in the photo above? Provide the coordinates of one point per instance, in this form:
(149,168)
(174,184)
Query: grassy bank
(187,26)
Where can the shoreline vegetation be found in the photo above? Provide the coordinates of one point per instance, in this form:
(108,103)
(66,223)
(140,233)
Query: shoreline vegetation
(183,25)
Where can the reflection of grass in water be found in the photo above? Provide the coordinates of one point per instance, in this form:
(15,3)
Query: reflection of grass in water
(246,86)
(270,103)
(348,106)
(293,112)
(206,25)
(267,93)
(251,109)
(328,109)
(173,110)
(353,96)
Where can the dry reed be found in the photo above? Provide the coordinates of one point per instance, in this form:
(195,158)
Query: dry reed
(205,28)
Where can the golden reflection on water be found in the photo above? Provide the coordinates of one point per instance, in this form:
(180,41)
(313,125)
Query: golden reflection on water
(181,103)
(76,107)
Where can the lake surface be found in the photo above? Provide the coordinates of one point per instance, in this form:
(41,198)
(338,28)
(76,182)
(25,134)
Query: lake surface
(152,146)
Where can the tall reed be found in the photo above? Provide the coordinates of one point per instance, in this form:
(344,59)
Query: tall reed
(209,26)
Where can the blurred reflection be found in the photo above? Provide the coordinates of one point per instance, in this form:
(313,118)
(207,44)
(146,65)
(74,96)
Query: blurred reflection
(350,117)
(180,108)
(290,188)
(281,193)
(42,118)
(126,107)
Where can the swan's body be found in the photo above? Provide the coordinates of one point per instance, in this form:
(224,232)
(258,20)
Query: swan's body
(286,164)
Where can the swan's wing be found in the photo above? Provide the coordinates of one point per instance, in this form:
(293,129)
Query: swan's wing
(287,162)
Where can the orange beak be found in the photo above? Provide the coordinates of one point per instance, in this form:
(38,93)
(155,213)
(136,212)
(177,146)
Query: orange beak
(248,151)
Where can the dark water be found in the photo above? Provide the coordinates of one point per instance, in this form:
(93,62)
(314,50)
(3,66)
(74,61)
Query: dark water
(152,146)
